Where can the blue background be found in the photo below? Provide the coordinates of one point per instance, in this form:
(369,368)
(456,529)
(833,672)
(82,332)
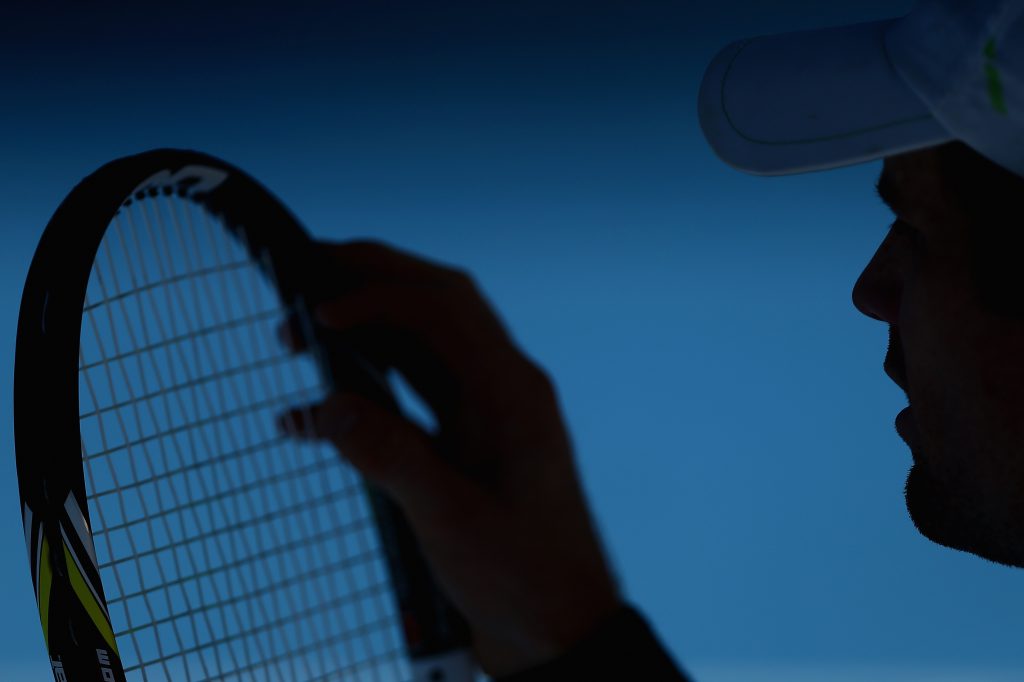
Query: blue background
(728,406)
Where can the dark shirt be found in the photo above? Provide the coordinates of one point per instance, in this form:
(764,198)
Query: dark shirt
(623,647)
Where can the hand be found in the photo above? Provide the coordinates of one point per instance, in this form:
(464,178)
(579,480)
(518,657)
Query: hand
(493,495)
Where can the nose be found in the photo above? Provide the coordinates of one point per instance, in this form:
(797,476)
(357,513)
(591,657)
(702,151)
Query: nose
(879,288)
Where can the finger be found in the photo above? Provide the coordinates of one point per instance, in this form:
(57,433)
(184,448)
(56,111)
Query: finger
(389,450)
(369,259)
(342,352)
(289,334)
(438,322)
(452,324)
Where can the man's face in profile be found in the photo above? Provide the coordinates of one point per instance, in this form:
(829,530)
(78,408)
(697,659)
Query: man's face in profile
(961,365)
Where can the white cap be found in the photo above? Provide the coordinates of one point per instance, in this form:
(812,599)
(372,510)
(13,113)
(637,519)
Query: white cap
(811,100)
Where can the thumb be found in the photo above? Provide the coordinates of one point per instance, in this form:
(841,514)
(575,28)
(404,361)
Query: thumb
(388,449)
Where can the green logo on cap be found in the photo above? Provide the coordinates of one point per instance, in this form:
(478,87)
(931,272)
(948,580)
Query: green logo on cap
(995,86)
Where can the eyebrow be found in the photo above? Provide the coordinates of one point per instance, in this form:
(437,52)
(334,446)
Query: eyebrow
(888,192)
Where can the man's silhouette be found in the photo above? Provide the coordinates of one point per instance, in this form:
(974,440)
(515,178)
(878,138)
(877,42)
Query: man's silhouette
(955,345)
(493,495)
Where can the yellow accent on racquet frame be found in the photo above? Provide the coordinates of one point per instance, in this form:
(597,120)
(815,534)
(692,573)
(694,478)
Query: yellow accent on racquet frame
(88,601)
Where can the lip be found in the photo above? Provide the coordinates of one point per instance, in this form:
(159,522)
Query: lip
(907,428)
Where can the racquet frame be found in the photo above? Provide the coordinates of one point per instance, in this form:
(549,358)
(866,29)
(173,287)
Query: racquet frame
(66,580)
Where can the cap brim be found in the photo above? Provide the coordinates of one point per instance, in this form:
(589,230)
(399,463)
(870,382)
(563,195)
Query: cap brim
(811,100)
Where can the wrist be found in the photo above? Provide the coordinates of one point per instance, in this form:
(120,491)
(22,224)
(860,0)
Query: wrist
(557,632)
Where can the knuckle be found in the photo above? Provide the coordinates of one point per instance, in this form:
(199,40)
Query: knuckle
(537,379)
(457,276)
(366,244)
(369,250)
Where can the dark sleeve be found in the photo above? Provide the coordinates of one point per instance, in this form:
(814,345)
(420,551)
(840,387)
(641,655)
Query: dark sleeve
(622,648)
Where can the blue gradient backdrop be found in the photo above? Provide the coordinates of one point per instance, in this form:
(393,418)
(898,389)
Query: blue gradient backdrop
(729,410)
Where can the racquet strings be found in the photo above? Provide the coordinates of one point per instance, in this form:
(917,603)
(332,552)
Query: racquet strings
(227,550)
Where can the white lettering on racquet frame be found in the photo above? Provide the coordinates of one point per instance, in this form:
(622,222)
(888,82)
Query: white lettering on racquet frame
(104,659)
(198,179)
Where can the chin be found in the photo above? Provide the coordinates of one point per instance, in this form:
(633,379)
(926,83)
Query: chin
(953,518)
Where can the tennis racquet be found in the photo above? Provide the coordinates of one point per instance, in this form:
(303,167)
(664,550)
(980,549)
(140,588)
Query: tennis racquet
(174,533)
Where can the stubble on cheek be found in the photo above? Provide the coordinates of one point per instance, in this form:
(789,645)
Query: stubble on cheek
(952,518)
(966,385)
